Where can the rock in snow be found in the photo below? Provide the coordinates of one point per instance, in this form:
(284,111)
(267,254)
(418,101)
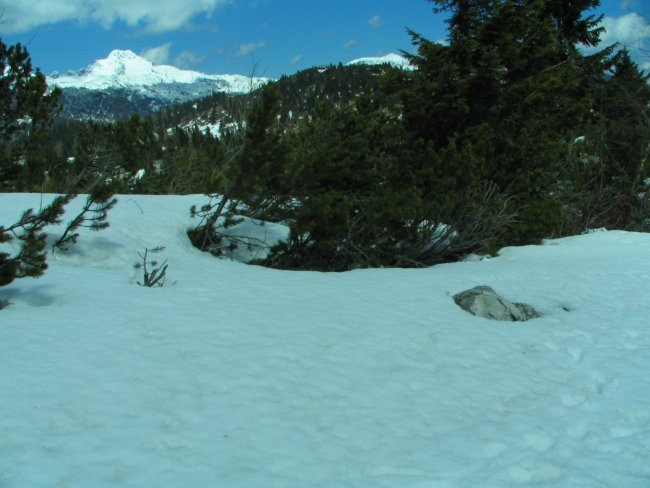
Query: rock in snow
(483,301)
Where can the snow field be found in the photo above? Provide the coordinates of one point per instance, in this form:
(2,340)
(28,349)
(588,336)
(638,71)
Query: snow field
(241,376)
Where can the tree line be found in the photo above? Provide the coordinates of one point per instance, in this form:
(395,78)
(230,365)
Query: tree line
(507,134)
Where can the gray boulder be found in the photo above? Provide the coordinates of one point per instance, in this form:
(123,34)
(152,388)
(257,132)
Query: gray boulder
(483,301)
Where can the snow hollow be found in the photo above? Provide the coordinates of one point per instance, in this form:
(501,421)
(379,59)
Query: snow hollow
(240,376)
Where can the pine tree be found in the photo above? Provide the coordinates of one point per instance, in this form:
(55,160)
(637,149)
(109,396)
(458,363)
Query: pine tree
(614,155)
(343,165)
(509,92)
(26,105)
(250,177)
(25,108)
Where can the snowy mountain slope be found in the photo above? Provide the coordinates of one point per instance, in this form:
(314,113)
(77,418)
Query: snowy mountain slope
(393,59)
(125,69)
(241,376)
(125,83)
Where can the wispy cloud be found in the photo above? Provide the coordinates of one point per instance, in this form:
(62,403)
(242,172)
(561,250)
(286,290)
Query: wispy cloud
(350,43)
(375,22)
(296,59)
(249,48)
(162,55)
(188,59)
(158,54)
(154,16)
(631,30)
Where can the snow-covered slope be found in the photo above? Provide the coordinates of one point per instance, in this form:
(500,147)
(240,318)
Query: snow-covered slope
(240,376)
(125,83)
(125,69)
(393,59)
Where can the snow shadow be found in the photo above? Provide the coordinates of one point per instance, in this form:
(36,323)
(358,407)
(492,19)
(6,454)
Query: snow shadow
(36,296)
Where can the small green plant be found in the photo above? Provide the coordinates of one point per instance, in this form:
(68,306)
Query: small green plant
(154,274)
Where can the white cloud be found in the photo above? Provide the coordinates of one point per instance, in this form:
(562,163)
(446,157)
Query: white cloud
(296,59)
(157,55)
(631,30)
(249,48)
(153,16)
(350,43)
(375,22)
(187,59)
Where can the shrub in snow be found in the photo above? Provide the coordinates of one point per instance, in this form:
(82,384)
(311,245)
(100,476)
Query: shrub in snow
(253,156)
(153,273)
(30,257)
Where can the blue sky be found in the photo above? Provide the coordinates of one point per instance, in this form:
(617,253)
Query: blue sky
(269,37)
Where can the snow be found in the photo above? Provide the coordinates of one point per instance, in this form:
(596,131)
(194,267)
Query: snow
(125,69)
(393,59)
(241,376)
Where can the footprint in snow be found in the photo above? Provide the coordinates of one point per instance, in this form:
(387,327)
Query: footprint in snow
(573,398)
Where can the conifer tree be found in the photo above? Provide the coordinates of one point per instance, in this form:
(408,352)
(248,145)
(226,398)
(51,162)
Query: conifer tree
(250,176)
(614,156)
(26,105)
(510,90)
(345,179)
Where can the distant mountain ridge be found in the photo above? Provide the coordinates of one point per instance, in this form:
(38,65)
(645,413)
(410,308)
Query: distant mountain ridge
(125,83)
(125,69)
(392,59)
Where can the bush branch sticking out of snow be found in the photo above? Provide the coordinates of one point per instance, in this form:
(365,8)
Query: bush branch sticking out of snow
(93,216)
(154,275)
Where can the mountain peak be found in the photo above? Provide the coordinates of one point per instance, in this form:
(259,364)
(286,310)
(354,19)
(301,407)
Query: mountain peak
(123,67)
(123,57)
(126,69)
(122,54)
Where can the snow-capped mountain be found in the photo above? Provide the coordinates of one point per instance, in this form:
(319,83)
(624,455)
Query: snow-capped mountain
(393,59)
(126,83)
(125,69)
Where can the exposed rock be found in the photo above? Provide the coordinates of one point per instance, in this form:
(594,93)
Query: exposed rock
(483,301)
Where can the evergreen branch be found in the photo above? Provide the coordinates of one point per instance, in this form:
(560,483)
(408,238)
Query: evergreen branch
(92,216)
